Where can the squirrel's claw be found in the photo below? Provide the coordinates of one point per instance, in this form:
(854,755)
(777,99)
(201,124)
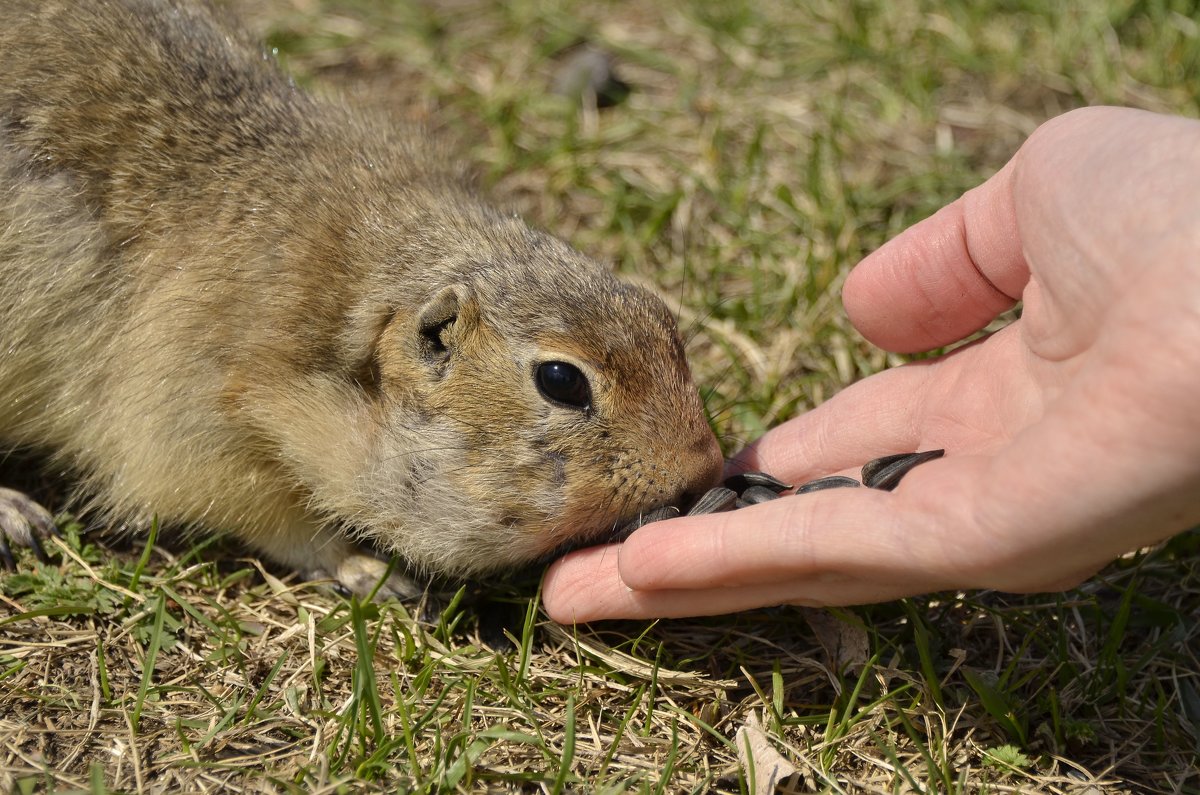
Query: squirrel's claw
(23,522)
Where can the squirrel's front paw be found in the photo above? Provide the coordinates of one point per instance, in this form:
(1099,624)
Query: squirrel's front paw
(360,573)
(24,522)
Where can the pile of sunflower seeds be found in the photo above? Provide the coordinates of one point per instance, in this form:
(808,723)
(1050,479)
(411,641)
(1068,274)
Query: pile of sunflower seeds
(751,488)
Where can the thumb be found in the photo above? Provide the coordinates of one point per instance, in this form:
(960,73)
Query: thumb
(945,277)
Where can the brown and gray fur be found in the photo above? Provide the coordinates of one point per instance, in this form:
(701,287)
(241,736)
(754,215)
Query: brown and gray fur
(237,307)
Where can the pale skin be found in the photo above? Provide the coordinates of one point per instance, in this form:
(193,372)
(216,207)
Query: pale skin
(1072,435)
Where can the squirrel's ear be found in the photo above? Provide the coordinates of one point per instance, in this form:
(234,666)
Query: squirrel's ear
(443,322)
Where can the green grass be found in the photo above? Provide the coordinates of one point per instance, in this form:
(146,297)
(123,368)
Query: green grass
(765,148)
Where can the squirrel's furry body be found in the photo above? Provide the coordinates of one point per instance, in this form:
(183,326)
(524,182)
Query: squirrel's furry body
(236,306)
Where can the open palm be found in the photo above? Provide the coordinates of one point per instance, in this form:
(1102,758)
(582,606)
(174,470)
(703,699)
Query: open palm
(1071,435)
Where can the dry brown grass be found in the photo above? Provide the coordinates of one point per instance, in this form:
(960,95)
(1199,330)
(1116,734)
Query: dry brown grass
(260,686)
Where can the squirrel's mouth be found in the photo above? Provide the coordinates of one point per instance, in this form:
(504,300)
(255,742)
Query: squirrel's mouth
(617,531)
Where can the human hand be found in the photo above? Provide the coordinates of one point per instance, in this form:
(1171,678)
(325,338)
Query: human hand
(1071,435)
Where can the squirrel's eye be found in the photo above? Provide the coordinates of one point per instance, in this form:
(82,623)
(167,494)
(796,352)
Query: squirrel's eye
(560,382)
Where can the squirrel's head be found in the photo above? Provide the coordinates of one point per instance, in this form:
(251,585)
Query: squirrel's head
(520,399)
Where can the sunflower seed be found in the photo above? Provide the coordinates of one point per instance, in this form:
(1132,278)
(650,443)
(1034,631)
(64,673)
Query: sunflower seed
(885,473)
(756,494)
(714,500)
(831,482)
(870,470)
(740,483)
(657,515)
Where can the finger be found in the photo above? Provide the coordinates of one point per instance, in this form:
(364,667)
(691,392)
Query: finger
(876,416)
(919,406)
(945,277)
(586,586)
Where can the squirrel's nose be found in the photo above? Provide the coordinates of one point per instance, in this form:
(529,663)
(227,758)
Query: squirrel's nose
(701,466)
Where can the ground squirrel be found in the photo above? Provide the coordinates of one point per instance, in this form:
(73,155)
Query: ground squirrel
(238,307)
